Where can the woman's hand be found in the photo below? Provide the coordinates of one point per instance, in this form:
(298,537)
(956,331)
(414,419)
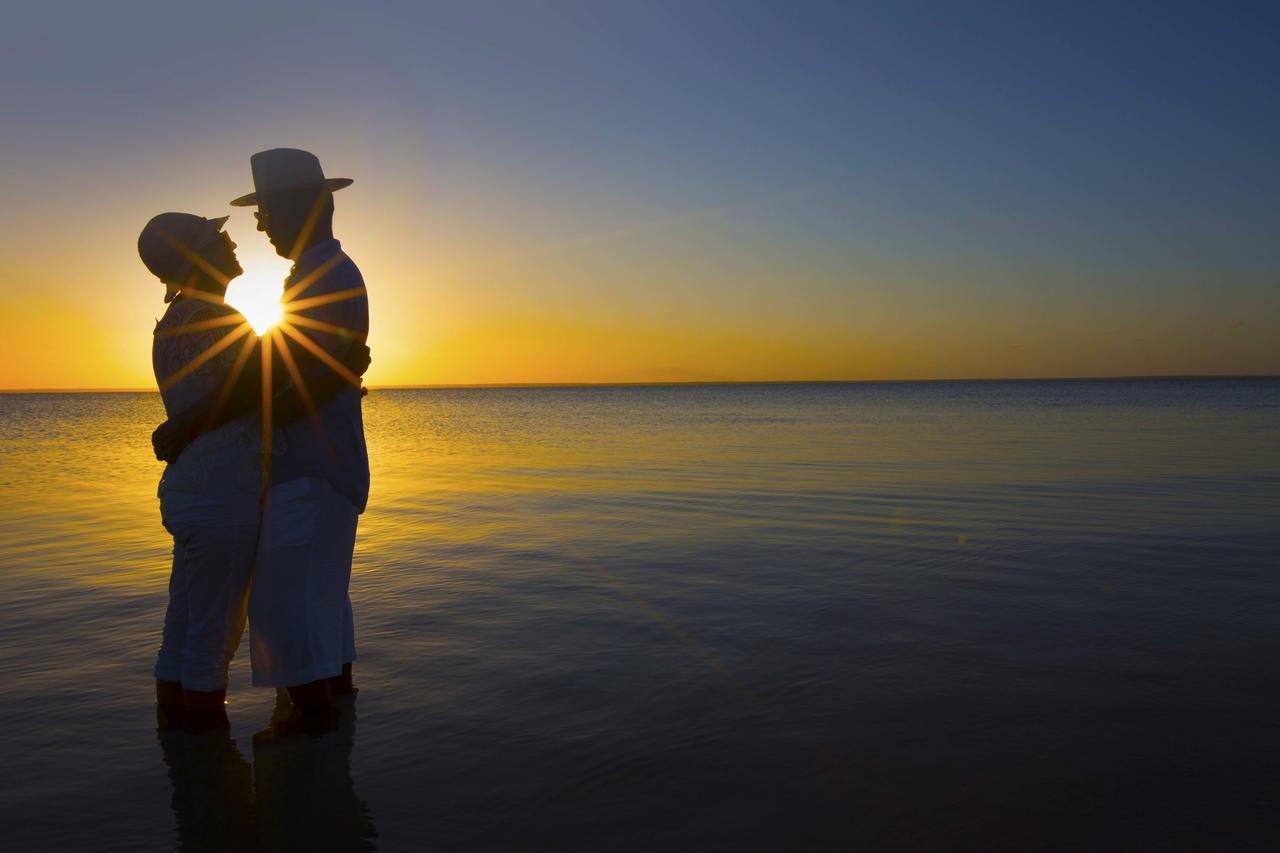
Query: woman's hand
(168,441)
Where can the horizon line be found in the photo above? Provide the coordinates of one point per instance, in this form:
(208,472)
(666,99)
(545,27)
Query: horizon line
(1152,377)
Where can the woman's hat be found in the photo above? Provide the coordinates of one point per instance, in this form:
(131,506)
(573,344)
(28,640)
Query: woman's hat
(169,242)
(286,169)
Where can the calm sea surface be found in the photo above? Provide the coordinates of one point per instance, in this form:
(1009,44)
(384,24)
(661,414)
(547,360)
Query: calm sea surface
(903,616)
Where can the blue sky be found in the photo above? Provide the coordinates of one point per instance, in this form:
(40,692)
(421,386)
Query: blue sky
(1018,161)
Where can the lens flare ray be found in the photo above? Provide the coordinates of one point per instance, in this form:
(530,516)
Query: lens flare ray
(319,352)
(321,326)
(325,299)
(199,361)
(286,356)
(237,367)
(309,279)
(202,325)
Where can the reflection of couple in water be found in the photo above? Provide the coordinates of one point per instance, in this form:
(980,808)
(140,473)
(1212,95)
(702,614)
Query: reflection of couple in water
(297,795)
(267,472)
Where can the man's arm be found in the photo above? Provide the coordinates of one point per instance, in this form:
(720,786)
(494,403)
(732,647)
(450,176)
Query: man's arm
(289,403)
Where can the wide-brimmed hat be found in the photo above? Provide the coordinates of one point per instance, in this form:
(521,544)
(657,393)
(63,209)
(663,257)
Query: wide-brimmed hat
(170,241)
(286,169)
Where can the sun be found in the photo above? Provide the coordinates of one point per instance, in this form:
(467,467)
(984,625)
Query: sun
(256,293)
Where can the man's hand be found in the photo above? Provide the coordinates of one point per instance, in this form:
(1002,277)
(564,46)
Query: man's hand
(167,441)
(358,358)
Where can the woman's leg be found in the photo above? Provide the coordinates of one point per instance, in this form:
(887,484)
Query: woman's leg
(173,638)
(220,561)
(169,705)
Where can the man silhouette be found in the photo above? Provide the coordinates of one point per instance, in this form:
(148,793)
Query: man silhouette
(301,628)
(302,633)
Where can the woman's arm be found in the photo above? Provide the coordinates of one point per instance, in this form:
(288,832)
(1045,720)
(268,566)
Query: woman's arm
(244,394)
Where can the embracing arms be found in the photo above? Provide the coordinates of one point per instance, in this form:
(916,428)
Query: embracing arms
(245,393)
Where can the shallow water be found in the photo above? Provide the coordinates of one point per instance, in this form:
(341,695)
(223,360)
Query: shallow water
(952,615)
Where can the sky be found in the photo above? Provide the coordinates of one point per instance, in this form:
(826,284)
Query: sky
(668,191)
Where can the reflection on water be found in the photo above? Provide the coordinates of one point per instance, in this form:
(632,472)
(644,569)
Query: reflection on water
(305,796)
(213,800)
(297,795)
(986,615)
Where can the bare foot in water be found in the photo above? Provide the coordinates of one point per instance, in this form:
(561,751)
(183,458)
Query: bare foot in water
(342,685)
(204,711)
(169,707)
(290,720)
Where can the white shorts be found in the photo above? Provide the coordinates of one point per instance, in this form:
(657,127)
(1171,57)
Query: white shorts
(300,621)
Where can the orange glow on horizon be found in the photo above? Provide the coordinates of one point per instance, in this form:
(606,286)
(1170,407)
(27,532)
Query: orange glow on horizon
(451,311)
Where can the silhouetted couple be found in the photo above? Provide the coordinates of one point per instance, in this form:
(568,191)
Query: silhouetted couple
(268,471)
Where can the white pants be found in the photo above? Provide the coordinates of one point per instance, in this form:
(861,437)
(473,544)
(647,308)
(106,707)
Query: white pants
(214,542)
(300,621)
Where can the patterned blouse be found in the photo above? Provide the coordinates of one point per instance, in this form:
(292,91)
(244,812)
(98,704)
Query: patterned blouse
(229,458)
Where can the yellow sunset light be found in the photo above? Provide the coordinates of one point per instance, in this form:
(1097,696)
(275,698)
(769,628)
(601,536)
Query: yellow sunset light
(256,293)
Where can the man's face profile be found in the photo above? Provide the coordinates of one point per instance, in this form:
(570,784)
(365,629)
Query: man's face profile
(285,214)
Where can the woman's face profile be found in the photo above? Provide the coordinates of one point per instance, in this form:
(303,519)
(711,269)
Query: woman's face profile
(221,254)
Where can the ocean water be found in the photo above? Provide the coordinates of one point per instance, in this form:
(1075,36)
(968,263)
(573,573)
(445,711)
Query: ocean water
(993,615)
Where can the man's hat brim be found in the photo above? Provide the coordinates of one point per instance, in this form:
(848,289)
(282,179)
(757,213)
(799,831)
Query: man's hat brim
(331,184)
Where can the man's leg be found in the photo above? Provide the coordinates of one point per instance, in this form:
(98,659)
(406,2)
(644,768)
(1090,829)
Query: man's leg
(298,606)
(344,684)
